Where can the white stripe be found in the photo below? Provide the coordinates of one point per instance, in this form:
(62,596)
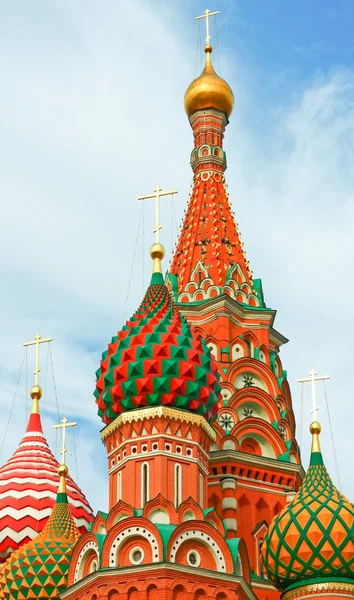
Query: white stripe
(24,512)
(33,434)
(28,444)
(17,495)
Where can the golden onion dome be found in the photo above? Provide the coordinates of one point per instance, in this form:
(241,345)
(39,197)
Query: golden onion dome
(208,90)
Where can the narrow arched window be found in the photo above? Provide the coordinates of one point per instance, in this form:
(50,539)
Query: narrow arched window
(178,485)
(201,491)
(119,486)
(144,483)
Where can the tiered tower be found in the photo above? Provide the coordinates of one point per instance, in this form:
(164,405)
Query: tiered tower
(157,392)
(255,465)
(28,486)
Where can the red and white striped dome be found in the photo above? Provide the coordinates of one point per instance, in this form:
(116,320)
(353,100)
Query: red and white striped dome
(28,487)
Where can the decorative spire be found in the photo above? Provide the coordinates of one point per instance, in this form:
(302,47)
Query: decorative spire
(36,391)
(209,259)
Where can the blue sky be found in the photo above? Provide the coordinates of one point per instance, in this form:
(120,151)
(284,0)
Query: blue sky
(92,117)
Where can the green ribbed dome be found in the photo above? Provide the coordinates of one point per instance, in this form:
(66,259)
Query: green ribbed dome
(313,535)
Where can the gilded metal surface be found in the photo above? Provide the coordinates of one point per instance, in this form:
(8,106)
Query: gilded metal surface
(209,91)
(316,588)
(158,411)
(315,430)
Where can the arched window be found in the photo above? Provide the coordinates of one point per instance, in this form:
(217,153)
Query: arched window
(144,483)
(178,485)
(119,486)
(201,491)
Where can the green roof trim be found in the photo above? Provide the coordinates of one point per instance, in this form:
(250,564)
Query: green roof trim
(165,531)
(233,544)
(316,458)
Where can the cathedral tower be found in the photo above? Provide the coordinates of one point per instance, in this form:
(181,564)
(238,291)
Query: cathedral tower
(255,466)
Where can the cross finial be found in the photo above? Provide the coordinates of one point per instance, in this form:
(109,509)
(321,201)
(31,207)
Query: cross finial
(158,193)
(37,340)
(63,425)
(313,378)
(206,16)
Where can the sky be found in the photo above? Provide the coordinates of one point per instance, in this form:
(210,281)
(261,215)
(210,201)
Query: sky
(91,117)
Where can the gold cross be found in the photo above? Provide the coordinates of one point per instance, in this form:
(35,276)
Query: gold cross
(37,340)
(206,16)
(63,425)
(158,193)
(313,378)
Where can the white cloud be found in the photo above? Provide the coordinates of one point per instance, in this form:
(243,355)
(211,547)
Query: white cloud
(93,117)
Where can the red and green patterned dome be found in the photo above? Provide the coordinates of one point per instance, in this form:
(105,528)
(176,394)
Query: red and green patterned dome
(156,360)
(39,568)
(313,535)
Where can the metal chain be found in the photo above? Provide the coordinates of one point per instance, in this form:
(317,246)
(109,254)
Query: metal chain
(12,405)
(133,261)
(332,437)
(217,42)
(301,414)
(55,387)
(143,248)
(46,373)
(26,384)
(198,50)
(75,456)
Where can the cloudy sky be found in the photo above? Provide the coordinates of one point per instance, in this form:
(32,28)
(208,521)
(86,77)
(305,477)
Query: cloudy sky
(91,116)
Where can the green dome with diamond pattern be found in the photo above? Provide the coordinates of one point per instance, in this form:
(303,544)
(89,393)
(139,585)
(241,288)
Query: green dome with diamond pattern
(313,536)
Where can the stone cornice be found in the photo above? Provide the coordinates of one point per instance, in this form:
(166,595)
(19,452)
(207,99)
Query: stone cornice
(254,461)
(158,411)
(226,306)
(162,570)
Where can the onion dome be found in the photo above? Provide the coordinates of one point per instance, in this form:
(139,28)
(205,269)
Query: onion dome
(28,485)
(39,568)
(156,360)
(312,537)
(208,90)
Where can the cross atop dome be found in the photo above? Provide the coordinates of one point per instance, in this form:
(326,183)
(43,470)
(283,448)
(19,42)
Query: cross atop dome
(206,16)
(36,391)
(157,251)
(313,377)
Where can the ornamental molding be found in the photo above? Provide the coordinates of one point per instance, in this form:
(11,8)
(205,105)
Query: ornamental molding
(158,411)
(320,587)
(230,308)
(162,569)
(241,458)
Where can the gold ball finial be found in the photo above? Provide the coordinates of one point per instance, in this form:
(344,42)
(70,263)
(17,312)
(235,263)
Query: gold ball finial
(36,392)
(63,471)
(208,48)
(157,251)
(315,428)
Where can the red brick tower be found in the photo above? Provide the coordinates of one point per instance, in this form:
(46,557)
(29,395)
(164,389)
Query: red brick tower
(157,391)
(254,467)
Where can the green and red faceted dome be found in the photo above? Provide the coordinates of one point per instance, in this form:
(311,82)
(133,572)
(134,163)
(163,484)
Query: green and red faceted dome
(157,361)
